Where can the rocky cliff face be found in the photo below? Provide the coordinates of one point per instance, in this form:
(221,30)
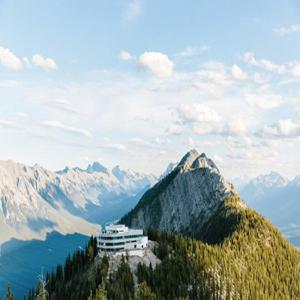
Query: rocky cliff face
(192,191)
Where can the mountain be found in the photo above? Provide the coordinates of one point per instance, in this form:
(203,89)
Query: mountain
(278,199)
(262,184)
(235,252)
(209,243)
(96,167)
(191,193)
(240,182)
(132,180)
(35,201)
(168,170)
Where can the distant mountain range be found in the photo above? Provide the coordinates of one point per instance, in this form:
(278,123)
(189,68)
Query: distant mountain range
(234,252)
(34,200)
(277,198)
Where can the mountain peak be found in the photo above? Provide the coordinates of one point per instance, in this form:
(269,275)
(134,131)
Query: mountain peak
(192,192)
(189,158)
(96,167)
(192,160)
(272,179)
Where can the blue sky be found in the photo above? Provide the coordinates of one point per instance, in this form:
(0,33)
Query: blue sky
(139,82)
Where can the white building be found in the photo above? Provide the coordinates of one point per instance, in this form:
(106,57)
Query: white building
(119,239)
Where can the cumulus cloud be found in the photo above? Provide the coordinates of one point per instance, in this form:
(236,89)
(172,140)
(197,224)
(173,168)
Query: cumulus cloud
(282,129)
(157,63)
(125,55)
(9,60)
(44,63)
(214,72)
(198,113)
(237,73)
(286,30)
(232,128)
(205,121)
(67,128)
(263,63)
(133,10)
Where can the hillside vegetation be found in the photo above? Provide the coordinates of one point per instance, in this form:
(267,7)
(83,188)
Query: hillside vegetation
(239,255)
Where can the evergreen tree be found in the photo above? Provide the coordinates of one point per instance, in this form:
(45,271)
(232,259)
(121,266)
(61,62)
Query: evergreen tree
(144,292)
(42,293)
(9,295)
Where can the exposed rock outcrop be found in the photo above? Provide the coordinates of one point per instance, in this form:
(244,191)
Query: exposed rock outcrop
(193,190)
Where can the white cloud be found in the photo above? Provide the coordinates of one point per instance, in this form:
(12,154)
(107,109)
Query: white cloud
(133,10)
(213,65)
(64,106)
(9,125)
(175,129)
(259,78)
(263,101)
(115,146)
(8,83)
(206,121)
(238,73)
(198,113)
(26,61)
(218,159)
(296,70)
(140,142)
(161,141)
(214,72)
(191,142)
(44,63)
(282,129)
(20,114)
(233,128)
(125,55)
(192,51)
(9,60)
(282,31)
(67,128)
(157,63)
(264,63)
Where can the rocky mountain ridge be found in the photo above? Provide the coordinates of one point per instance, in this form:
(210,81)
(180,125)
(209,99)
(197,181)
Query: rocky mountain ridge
(193,190)
(34,200)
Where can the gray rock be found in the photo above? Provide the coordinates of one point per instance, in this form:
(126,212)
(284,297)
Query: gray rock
(192,191)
